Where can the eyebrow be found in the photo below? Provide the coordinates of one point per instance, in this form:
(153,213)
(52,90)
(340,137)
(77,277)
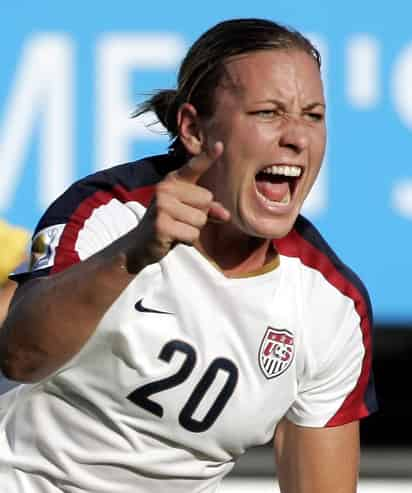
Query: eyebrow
(314,105)
(282,105)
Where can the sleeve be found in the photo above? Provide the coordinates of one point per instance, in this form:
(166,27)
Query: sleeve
(336,383)
(85,219)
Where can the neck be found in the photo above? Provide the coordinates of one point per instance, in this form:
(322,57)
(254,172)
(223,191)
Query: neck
(234,252)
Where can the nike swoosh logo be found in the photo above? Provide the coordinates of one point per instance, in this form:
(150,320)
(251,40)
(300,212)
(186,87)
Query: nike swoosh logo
(140,308)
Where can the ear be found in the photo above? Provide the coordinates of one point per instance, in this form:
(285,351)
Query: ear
(189,129)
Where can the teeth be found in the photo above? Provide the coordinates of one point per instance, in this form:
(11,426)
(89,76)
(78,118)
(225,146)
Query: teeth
(283,170)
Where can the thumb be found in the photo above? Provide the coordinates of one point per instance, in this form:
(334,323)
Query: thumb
(198,165)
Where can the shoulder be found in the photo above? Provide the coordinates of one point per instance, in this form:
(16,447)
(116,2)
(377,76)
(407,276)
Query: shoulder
(306,244)
(337,325)
(92,213)
(125,182)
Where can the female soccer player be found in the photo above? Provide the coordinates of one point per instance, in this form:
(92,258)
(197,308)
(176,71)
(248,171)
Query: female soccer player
(180,310)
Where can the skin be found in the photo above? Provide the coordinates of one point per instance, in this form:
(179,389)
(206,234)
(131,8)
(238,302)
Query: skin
(269,110)
(317,460)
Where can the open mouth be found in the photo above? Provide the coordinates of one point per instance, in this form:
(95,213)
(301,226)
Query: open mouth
(277,184)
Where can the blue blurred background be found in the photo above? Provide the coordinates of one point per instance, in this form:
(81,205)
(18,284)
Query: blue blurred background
(72,72)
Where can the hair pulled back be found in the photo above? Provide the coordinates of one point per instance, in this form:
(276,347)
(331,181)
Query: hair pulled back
(203,67)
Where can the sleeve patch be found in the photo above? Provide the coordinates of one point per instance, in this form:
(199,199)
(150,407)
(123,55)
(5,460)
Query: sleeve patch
(44,245)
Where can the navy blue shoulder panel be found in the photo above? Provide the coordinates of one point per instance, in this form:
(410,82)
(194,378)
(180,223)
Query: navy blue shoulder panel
(129,176)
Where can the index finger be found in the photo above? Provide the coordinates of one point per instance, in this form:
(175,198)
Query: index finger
(195,167)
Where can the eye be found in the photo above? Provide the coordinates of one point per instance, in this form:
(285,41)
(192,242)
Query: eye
(266,113)
(315,116)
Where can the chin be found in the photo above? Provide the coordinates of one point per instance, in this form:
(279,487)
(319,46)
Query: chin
(271,231)
(269,224)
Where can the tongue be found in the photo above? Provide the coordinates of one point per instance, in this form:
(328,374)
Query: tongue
(273,191)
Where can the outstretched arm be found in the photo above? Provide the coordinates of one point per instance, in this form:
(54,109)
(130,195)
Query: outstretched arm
(317,460)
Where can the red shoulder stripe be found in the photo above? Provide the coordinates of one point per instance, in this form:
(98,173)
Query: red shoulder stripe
(66,254)
(295,245)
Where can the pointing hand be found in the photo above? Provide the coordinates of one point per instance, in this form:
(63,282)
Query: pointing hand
(180,207)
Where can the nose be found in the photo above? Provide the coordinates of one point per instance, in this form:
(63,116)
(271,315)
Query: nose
(294,134)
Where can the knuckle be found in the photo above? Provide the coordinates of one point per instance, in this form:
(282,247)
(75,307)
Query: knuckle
(161,204)
(161,224)
(196,234)
(191,235)
(208,196)
(200,218)
(163,187)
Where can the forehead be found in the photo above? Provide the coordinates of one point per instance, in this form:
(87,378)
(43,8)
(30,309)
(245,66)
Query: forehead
(269,74)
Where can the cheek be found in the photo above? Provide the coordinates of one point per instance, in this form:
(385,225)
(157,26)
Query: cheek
(318,146)
(253,141)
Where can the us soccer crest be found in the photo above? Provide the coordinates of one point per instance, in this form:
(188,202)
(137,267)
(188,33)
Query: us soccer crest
(276,352)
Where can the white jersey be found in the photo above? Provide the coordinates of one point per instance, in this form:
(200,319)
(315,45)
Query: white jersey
(188,368)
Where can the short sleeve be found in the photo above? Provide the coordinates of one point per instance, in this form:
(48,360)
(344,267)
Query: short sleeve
(336,386)
(89,216)
(334,373)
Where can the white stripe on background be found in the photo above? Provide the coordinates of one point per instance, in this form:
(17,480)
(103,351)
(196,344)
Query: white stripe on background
(247,485)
